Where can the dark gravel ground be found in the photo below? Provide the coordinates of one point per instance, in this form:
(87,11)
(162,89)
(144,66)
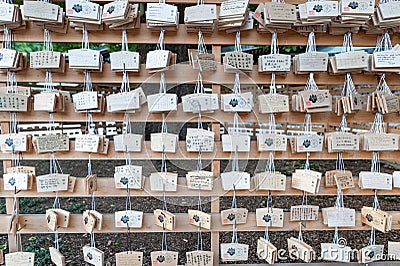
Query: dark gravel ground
(183,242)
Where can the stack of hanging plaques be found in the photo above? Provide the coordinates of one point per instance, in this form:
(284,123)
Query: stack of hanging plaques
(162,16)
(312,101)
(382,100)
(353,14)
(386,15)
(12,59)
(317,12)
(84,14)
(159,59)
(47,60)
(85,59)
(386,60)
(200,17)
(45,14)
(278,17)
(233,14)
(351,61)
(11,16)
(315,15)
(119,15)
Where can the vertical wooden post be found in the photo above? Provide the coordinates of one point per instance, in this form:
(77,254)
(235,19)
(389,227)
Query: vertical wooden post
(216,164)
(5,128)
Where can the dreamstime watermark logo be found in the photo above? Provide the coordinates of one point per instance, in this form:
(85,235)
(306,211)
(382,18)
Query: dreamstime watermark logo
(177,122)
(339,252)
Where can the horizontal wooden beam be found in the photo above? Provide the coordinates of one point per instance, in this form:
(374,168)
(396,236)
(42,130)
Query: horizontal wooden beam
(142,35)
(184,74)
(194,2)
(218,154)
(35,224)
(70,116)
(106,188)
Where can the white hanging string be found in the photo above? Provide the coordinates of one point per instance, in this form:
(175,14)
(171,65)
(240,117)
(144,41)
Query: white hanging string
(235,161)
(48,82)
(272,87)
(375,164)
(382,87)
(85,38)
(199,235)
(160,43)
(270,166)
(87,83)
(234,203)
(125,87)
(387,43)
(307,125)
(274,43)
(307,131)
(7,38)
(372,237)
(164,246)
(124,42)
(47,43)
(238,47)
(13,123)
(236,85)
(347,43)
(199,162)
(339,203)
(311,45)
(383,43)
(128,202)
(199,88)
(235,129)
(164,128)
(127,122)
(348,87)
(56,240)
(266,233)
(343,124)
(311,84)
(234,233)
(11,82)
(201,47)
(163,87)
(300,236)
(340,162)
(271,124)
(336,236)
(199,121)
(378,126)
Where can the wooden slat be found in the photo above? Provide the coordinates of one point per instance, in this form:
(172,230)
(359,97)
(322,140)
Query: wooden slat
(184,74)
(194,2)
(216,117)
(35,224)
(142,35)
(106,188)
(181,154)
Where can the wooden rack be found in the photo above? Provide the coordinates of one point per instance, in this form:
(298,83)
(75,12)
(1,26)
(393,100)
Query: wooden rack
(179,74)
